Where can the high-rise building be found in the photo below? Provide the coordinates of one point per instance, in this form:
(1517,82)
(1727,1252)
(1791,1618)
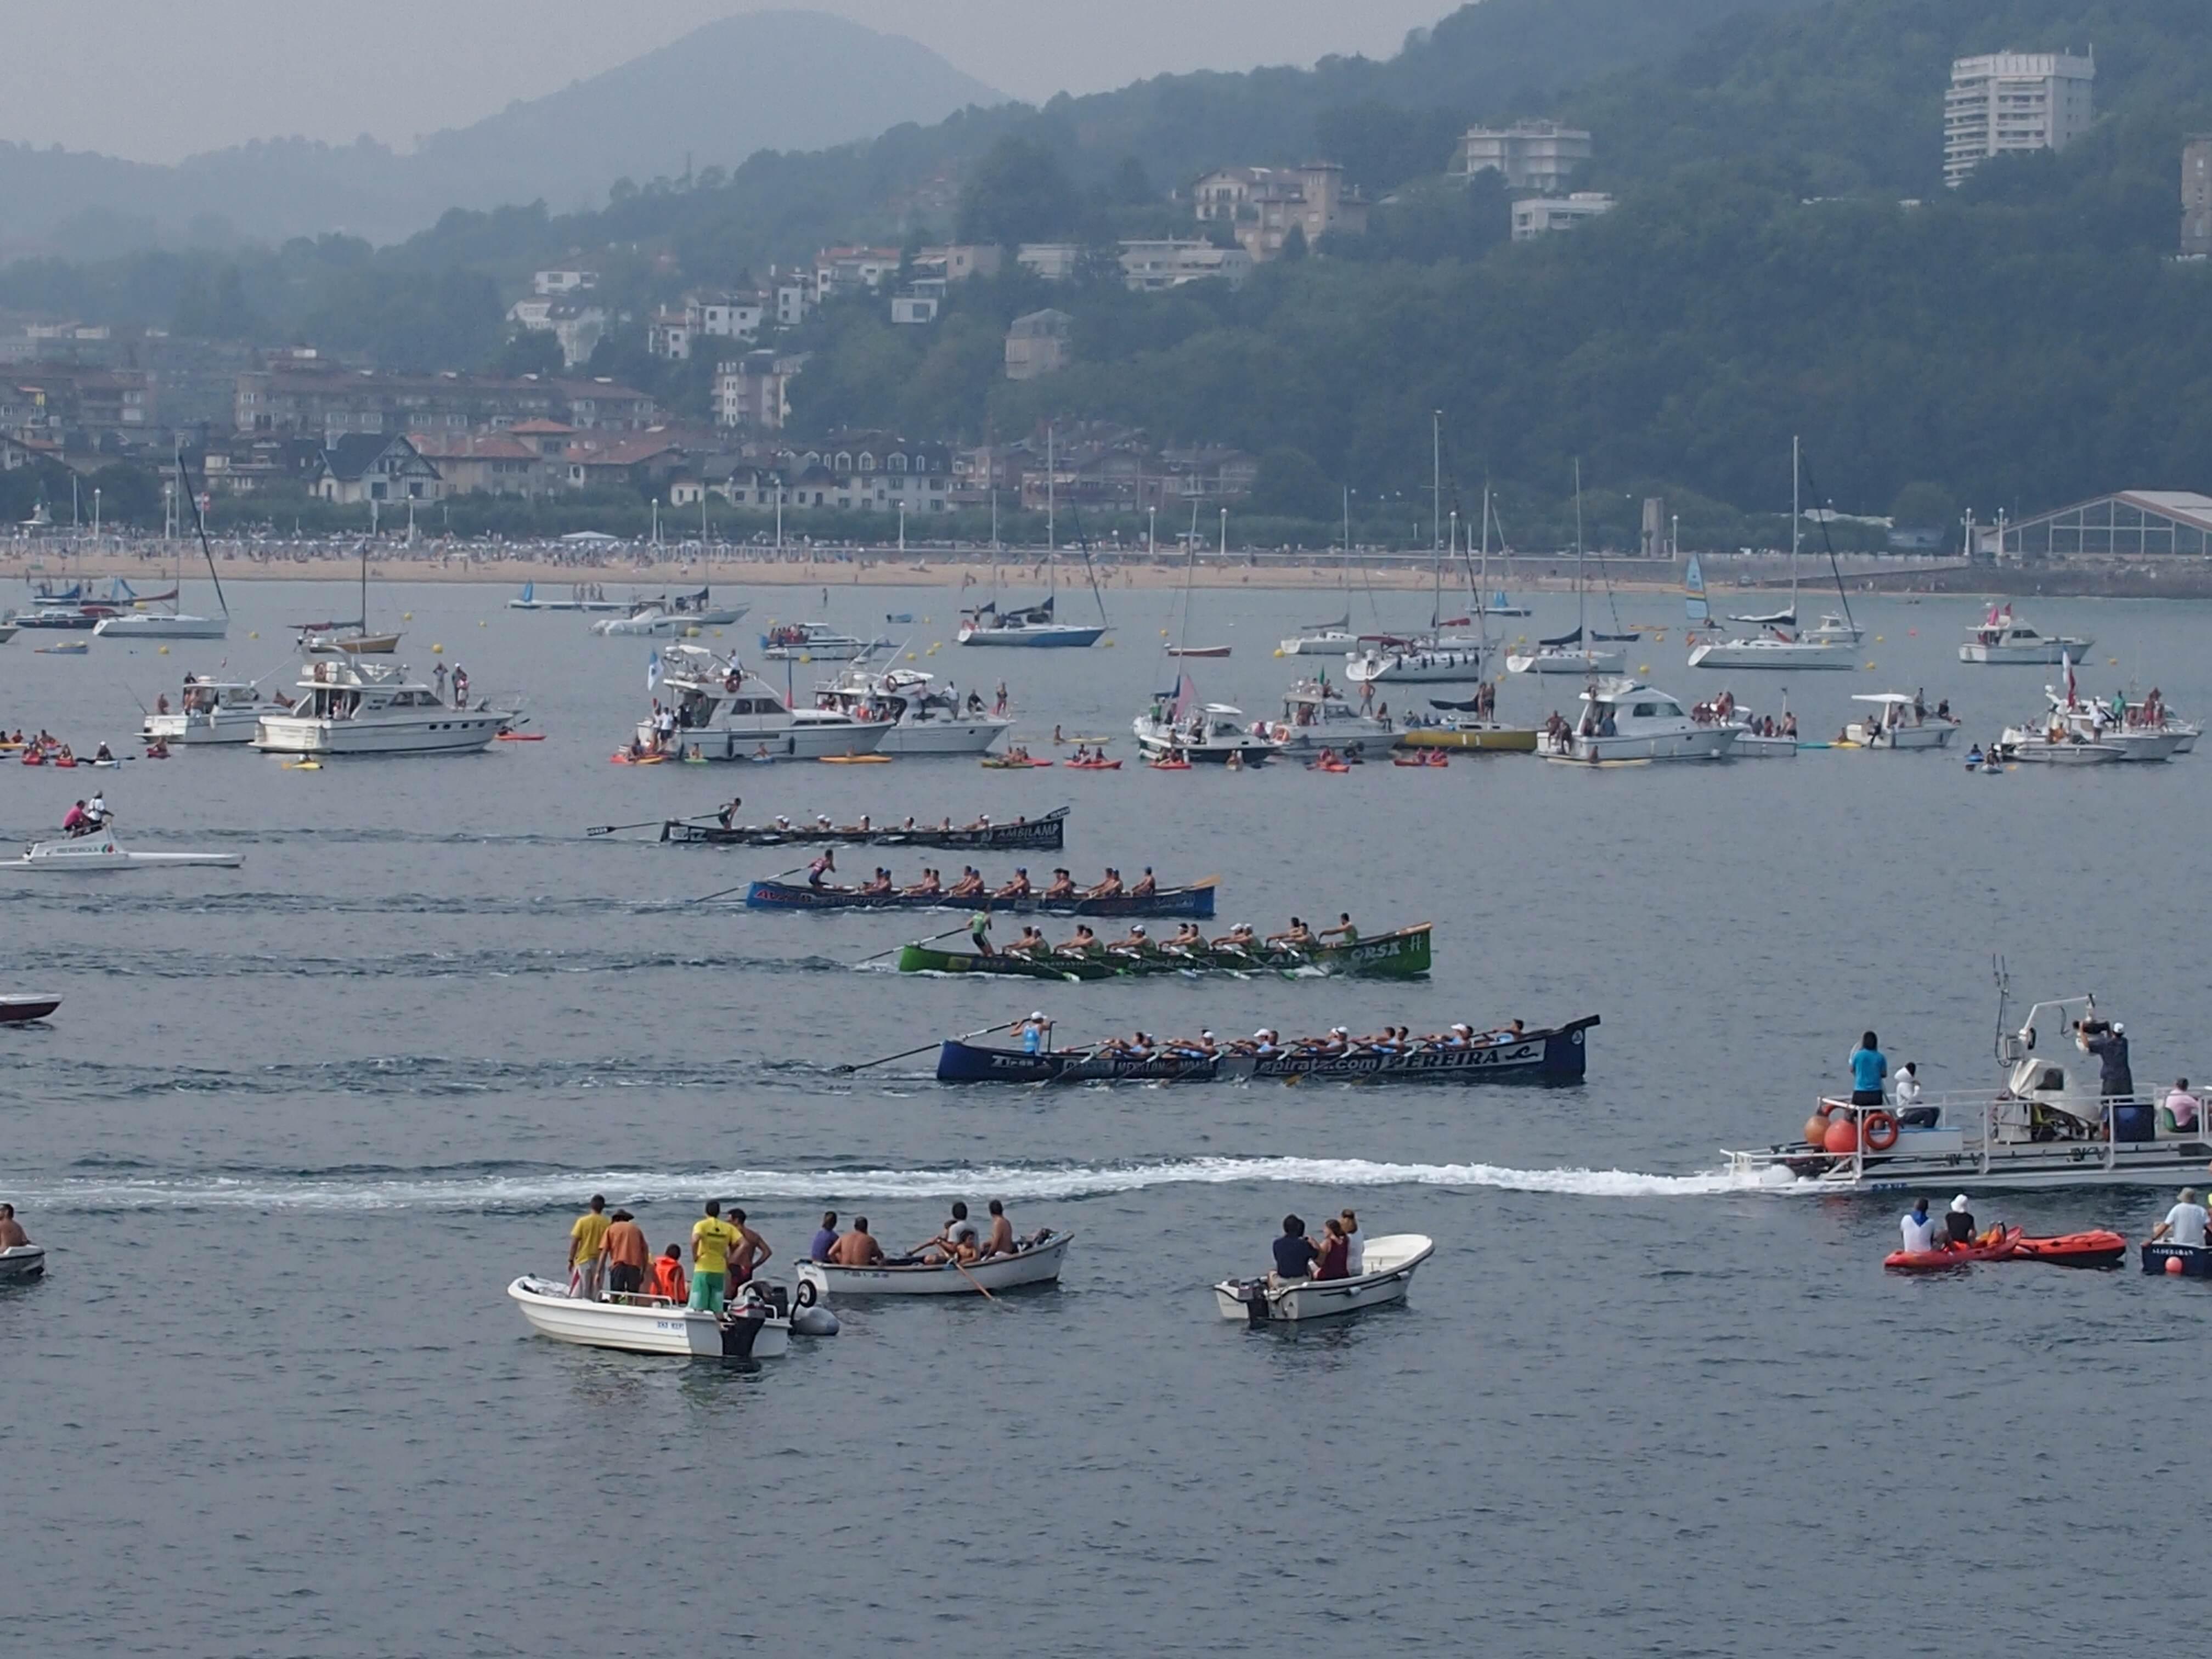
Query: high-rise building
(2196,199)
(2005,102)
(1529,155)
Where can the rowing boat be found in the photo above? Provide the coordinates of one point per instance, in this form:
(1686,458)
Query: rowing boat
(1195,901)
(1403,954)
(1553,1055)
(1037,1263)
(1048,833)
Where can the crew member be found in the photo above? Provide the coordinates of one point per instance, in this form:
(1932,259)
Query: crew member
(584,1239)
(825,1238)
(668,1275)
(2109,1045)
(1919,1228)
(818,872)
(1869,1066)
(627,1254)
(1034,1031)
(2184,1222)
(712,1241)
(1294,1251)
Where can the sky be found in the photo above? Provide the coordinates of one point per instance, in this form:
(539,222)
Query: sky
(155,81)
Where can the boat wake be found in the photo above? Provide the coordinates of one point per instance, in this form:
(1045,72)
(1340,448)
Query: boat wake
(532,1191)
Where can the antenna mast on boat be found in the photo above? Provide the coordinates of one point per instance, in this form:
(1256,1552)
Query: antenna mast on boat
(199,525)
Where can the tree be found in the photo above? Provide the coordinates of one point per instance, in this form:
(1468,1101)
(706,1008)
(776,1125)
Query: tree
(128,493)
(1018,192)
(1924,506)
(1291,485)
(1294,245)
(529,351)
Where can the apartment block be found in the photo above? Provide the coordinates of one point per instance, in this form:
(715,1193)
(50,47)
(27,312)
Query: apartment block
(2006,103)
(2196,199)
(1260,206)
(1538,156)
(1543,216)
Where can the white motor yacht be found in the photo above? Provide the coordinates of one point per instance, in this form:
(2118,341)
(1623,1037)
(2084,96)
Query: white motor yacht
(754,1328)
(1213,731)
(2047,1124)
(1998,639)
(1317,716)
(1897,723)
(725,714)
(211,711)
(348,707)
(924,720)
(99,852)
(817,642)
(2088,722)
(2054,746)
(664,616)
(1387,1264)
(1625,720)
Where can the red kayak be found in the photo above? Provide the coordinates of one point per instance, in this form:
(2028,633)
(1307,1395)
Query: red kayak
(1996,1249)
(2098,1249)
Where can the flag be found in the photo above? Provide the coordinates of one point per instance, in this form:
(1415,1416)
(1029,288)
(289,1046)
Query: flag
(653,672)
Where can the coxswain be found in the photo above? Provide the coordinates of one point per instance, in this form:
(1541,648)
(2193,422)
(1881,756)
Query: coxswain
(1017,888)
(1146,885)
(979,933)
(1034,1033)
(818,872)
(1110,887)
(970,884)
(729,812)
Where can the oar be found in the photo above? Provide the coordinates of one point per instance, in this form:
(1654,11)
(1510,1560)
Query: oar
(742,885)
(954,1261)
(931,939)
(650,823)
(842,1071)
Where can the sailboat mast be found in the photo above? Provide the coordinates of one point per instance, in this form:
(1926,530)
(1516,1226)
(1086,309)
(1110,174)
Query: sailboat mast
(1578,549)
(1051,492)
(1796,472)
(1436,474)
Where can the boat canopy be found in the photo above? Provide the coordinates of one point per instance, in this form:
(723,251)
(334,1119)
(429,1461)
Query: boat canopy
(1889,697)
(1784,618)
(1574,638)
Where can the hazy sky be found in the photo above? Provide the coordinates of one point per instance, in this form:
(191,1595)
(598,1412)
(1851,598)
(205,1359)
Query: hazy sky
(155,80)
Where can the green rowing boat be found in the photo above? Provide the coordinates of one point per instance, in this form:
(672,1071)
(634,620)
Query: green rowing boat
(1401,954)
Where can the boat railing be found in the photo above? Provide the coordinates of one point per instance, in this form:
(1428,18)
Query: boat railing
(1988,1123)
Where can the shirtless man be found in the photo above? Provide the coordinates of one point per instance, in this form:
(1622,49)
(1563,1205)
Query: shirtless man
(748,1255)
(1001,1240)
(12,1233)
(1297,935)
(1017,888)
(927,887)
(858,1249)
(1063,886)
(1109,887)
(1146,886)
(878,883)
(970,884)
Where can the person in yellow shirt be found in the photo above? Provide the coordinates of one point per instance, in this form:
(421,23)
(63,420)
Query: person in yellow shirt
(712,1241)
(586,1264)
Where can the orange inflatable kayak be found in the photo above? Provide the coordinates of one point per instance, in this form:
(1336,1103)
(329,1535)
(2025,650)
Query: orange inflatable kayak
(1921,1261)
(2098,1249)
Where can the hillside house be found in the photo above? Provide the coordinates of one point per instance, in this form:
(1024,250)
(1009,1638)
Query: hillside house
(1260,206)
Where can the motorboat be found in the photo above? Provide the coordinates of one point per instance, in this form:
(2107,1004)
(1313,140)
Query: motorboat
(756,1327)
(1896,722)
(348,707)
(212,711)
(1565,657)
(1037,1262)
(2054,746)
(924,720)
(1034,627)
(817,642)
(1317,716)
(1625,719)
(664,616)
(1389,1262)
(2090,723)
(1999,639)
(323,640)
(7,630)
(724,713)
(1213,731)
(1754,742)
(99,852)
(159,625)
(20,1262)
(1832,627)
(1333,639)
(22,1007)
(2047,1124)
(1391,659)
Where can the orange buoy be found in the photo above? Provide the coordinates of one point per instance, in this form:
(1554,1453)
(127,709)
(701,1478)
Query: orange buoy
(1816,1129)
(1843,1136)
(2173,1266)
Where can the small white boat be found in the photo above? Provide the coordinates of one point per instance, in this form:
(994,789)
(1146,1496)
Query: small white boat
(162,625)
(20,1008)
(818,643)
(71,648)
(753,1328)
(1585,660)
(1775,651)
(1323,639)
(1625,720)
(1390,1263)
(1897,725)
(20,1261)
(2038,748)
(1214,731)
(212,711)
(1391,659)
(1037,1264)
(2088,722)
(101,852)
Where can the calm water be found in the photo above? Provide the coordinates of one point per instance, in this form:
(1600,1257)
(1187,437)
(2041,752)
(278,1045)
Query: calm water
(297,1125)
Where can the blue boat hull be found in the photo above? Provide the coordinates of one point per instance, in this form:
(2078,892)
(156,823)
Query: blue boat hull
(1557,1055)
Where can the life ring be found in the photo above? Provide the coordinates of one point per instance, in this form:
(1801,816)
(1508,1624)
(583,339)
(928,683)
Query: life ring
(1879,1131)
(733,680)
(806,1296)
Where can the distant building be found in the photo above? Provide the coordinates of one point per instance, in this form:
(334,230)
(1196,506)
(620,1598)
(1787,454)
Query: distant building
(578,326)
(1540,215)
(302,394)
(842,270)
(555,284)
(2131,524)
(1056,262)
(50,400)
(1538,156)
(2006,103)
(490,463)
(375,467)
(919,301)
(1151,266)
(1260,206)
(675,329)
(958,261)
(2196,199)
(754,392)
(1038,344)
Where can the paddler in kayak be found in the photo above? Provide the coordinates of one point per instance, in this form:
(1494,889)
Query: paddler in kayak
(1959,1225)
(1919,1228)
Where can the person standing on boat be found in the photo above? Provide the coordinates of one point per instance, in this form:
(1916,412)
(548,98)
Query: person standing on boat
(749,1257)
(1919,1228)
(439,676)
(2184,1222)
(585,1240)
(712,1241)
(1355,1247)
(1959,1225)
(1869,1066)
(979,933)
(627,1254)
(819,870)
(1035,1031)
(2109,1045)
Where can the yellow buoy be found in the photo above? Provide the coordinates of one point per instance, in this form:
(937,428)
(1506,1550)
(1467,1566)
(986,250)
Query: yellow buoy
(910,656)
(437,650)
(1644,668)
(407,616)
(165,650)
(483,624)
(1878,639)
(1278,650)
(255,635)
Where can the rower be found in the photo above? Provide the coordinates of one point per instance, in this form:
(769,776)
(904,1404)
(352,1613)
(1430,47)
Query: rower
(1147,886)
(1134,943)
(1084,944)
(1063,886)
(1029,945)
(878,883)
(1919,1228)
(1297,936)
(1240,939)
(1344,929)
(970,884)
(818,872)
(926,888)
(1109,887)
(1017,888)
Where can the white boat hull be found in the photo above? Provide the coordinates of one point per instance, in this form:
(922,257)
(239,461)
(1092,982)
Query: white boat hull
(1034,638)
(221,726)
(1390,1264)
(154,625)
(1587,663)
(20,1261)
(1936,734)
(1332,644)
(450,732)
(780,741)
(943,737)
(660,1328)
(1691,743)
(1793,654)
(1040,1266)
(1439,667)
(100,854)
(2043,655)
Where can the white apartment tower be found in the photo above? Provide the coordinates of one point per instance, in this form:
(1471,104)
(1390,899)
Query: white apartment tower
(2005,102)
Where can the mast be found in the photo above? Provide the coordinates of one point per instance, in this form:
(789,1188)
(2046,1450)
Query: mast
(1796,472)
(199,525)
(1579,553)
(1436,474)
(1051,492)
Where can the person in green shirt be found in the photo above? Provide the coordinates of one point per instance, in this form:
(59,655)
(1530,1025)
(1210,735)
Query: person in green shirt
(712,1241)
(1343,930)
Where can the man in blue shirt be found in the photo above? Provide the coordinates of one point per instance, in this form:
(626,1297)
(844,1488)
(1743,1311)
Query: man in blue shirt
(1869,1066)
(825,1240)
(1294,1251)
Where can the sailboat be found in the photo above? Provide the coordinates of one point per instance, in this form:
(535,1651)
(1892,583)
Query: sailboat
(1571,653)
(1183,648)
(1834,645)
(326,639)
(1433,658)
(1034,626)
(175,624)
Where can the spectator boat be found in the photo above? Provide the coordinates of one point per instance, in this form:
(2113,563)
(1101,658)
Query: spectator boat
(212,711)
(808,641)
(924,720)
(756,1326)
(22,1007)
(1894,724)
(1389,1261)
(348,707)
(1999,639)
(1037,1262)
(725,714)
(1625,720)
(2047,1125)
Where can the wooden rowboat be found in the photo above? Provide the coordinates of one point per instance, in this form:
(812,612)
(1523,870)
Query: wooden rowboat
(1402,954)
(1195,900)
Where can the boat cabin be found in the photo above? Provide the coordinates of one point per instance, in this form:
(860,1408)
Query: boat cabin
(1627,706)
(349,688)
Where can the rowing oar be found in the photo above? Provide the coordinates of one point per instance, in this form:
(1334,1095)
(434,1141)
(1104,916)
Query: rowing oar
(842,1071)
(931,939)
(952,1260)
(609,828)
(742,885)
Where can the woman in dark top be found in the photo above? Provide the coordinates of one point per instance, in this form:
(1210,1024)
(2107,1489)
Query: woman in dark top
(1335,1251)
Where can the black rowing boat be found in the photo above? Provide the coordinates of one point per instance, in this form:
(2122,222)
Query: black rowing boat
(1046,834)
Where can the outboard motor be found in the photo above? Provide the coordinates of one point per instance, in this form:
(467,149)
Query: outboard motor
(1253,1293)
(740,1328)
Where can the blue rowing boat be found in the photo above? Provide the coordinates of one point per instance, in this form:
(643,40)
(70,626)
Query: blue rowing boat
(1555,1055)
